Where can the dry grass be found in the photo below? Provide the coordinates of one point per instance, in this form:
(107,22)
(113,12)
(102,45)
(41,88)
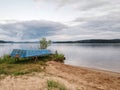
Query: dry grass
(20,69)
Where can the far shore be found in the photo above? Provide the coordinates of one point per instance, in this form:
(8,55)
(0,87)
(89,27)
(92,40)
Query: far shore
(73,77)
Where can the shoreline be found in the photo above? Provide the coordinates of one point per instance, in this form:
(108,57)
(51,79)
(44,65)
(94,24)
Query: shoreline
(91,79)
(94,68)
(73,77)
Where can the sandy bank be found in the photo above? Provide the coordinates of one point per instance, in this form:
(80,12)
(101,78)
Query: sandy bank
(74,78)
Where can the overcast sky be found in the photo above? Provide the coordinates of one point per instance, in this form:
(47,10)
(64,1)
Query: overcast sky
(59,19)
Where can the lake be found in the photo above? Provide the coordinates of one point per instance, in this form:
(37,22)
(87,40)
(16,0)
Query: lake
(92,55)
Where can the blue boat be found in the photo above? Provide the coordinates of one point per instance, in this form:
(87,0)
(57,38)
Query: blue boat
(24,53)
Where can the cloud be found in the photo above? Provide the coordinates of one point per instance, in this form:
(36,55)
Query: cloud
(34,30)
(105,22)
(81,4)
(28,30)
(91,19)
(100,22)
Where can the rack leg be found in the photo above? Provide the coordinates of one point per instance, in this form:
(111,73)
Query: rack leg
(36,58)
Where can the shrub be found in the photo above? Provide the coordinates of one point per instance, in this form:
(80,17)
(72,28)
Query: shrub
(44,43)
(59,57)
(53,85)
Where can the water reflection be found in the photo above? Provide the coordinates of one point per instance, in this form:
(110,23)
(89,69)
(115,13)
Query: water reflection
(102,56)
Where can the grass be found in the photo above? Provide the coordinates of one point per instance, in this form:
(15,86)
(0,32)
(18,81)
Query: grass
(19,69)
(11,66)
(10,60)
(59,57)
(7,59)
(54,85)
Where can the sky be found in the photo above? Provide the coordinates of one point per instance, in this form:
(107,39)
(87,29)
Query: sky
(59,20)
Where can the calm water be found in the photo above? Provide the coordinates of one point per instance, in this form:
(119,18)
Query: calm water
(100,56)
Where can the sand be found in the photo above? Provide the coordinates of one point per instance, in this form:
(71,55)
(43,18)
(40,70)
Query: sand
(74,78)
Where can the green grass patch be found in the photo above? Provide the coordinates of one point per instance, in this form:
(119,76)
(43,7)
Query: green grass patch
(20,73)
(7,59)
(54,85)
(59,57)
(11,66)
(19,69)
(3,72)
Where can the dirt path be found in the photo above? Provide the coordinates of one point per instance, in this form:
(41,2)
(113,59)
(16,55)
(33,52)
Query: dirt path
(74,78)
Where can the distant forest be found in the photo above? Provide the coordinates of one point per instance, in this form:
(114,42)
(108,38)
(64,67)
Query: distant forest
(79,41)
(2,41)
(92,41)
